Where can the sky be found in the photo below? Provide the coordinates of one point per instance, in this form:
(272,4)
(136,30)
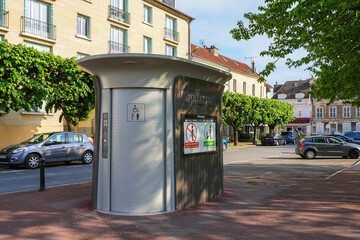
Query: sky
(213,21)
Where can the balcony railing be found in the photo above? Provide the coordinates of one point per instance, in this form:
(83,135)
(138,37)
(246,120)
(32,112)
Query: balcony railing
(4,19)
(115,47)
(38,28)
(119,15)
(171,34)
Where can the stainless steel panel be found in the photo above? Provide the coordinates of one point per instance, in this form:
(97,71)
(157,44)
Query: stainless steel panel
(137,152)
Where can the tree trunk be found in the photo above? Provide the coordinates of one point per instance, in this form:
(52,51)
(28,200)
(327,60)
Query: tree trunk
(235,136)
(255,135)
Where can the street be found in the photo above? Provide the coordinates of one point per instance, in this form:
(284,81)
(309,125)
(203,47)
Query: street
(254,162)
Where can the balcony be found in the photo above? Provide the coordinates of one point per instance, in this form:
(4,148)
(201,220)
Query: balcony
(115,47)
(171,35)
(119,15)
(38,28)
(4,19)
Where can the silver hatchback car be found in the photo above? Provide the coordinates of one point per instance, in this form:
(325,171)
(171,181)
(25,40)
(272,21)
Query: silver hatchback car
(53,147)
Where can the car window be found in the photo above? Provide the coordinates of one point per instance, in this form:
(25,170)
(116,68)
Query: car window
(286,133)
(38,138)
(319,140)
(357,135)
(333,140)
(74,138)
(57,139)
(350,134)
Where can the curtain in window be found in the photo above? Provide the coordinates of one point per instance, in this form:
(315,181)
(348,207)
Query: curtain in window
(37,18)
(117,40)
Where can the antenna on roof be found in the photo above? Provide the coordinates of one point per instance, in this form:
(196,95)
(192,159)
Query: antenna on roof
(251,58)
(202,42)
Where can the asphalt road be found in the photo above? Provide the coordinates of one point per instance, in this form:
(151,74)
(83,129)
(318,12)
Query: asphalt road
(259,161)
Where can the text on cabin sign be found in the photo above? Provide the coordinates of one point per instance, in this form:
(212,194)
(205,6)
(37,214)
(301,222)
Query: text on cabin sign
(197,98)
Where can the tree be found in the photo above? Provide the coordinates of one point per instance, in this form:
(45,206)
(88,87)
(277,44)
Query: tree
(258,114)
(24,73)
(279,113)
(72,92)
(235,109)
(328,30)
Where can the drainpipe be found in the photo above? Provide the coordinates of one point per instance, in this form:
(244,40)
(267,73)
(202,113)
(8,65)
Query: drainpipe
(189,39)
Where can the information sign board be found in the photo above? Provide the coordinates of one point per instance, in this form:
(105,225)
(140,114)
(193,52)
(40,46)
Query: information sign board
(199,135)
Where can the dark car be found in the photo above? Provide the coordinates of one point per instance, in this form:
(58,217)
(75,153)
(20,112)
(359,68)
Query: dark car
(326,146)
(354,135)
(53,147)
(273,139)
(291,136)
(345,138)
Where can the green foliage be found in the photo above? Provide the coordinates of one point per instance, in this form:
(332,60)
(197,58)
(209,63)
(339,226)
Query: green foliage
(23,77)
(28,78)
(238,109)
(328,30)
(235,108)
(72,92)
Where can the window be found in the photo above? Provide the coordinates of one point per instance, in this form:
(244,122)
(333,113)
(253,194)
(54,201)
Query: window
(319,112)
(244,87)
(38,18)
(147,45)
(83,26)
(147,14)
(39,47)
(119,11)
(118,40)
(234,85)
(332,112)
(170,50)
(74,138)
(253,89)
(346,112)
(57,139)
(40,111)
(171,28)
(2,14)
(1,38)
(80,55)
(358,112)
(299,100)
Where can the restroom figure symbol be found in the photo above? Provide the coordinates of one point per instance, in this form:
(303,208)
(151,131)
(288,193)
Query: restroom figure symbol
(135,113)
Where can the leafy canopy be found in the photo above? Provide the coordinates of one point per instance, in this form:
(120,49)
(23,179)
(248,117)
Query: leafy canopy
(328,30)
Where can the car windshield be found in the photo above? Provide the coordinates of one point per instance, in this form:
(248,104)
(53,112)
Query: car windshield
(269,135)
(286,133)
(38,138)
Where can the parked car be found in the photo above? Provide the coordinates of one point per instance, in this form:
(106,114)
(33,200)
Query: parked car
(326,146)
(345,138)
(291,136)
(273,139)
(53,147)
(225,144)
(354,135)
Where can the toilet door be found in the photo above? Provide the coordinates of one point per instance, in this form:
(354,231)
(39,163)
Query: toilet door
(137,151)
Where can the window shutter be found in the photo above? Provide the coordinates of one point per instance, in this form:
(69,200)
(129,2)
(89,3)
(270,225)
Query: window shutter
(51,27)
(175,31)
(89,27)
(126,50)
(150,15)
(175,51)
(150,45)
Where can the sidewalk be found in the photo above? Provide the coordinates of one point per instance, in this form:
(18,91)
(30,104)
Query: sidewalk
(249,209)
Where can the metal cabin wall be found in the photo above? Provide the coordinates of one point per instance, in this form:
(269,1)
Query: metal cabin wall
(198,177)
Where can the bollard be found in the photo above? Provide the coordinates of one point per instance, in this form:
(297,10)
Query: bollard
(42,175)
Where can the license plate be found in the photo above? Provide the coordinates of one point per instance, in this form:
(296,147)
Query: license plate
(2,156)
(267,138)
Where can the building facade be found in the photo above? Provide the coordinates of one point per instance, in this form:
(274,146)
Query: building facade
(78,28)
(297,93)
(335,118)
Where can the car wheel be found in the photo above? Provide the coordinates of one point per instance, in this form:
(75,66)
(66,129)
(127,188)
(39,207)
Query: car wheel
(276,143)
(32,161)
(224,147)
(87,157)
(353,154)
(310,154)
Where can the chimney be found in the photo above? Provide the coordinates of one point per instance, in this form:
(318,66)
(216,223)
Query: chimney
(253,66)
(214,50)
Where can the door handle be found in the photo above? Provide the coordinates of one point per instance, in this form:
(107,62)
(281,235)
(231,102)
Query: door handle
(82,145)
(64,147)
